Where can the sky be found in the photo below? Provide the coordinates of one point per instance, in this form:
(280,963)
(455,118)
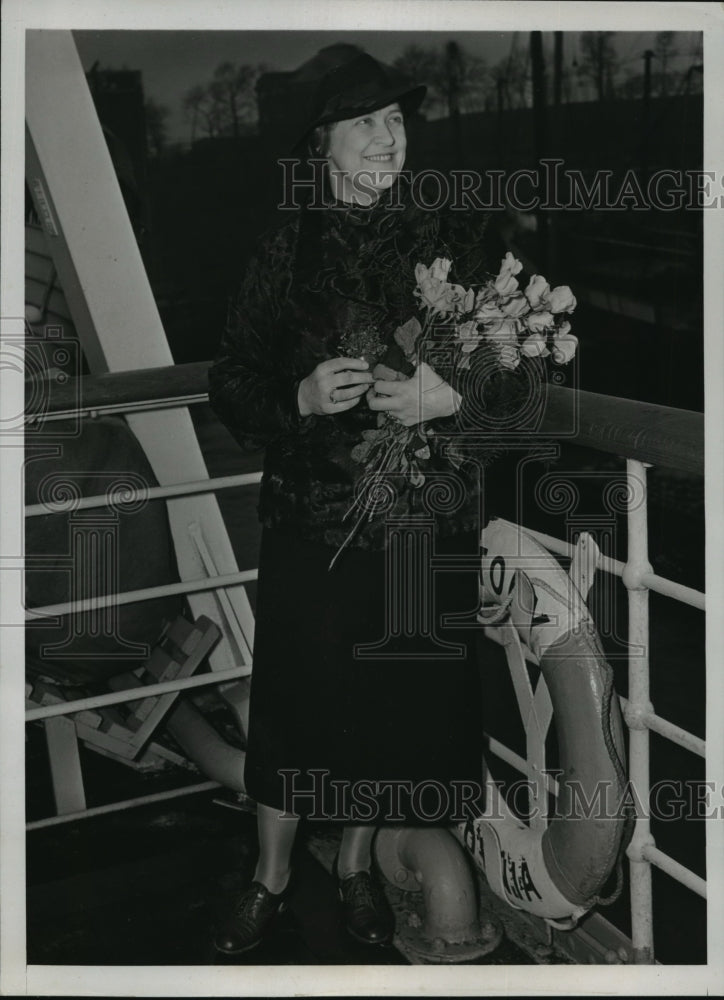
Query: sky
(173,61)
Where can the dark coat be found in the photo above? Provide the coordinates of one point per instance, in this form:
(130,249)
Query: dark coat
(409,708)
(318,275)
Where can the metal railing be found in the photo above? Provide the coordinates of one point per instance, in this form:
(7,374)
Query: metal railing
(642,433)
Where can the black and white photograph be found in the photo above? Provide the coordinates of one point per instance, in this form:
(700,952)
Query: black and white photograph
(362,498)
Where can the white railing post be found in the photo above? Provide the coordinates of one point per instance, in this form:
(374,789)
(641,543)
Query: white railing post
(637,709)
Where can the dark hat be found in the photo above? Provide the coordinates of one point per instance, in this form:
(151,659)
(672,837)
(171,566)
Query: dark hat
(356,87)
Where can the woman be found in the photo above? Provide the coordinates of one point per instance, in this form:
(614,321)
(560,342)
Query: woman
(351,717)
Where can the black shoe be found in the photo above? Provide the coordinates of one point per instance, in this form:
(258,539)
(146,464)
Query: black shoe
(252,916)
(367,915)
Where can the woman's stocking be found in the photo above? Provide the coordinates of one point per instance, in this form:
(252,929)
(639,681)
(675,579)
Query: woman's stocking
(355,850)
(276,840)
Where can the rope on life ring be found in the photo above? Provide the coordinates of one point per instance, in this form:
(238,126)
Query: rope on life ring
(554,868)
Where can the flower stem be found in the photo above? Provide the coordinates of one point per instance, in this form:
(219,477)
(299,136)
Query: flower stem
(346,542)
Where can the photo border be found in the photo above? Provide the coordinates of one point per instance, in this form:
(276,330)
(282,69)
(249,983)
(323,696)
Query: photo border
(330,15)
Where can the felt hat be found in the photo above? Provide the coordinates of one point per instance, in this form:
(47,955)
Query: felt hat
(357,87)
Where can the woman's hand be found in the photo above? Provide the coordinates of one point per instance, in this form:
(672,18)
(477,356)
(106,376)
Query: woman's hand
(334,386)
(425,396)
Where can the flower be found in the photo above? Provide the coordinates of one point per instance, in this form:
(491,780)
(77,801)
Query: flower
(362,341)
(502,322)
(538,322)
(505,283)
(561,300)
(516,306)
(505,332)
(440,268)
(432,293)
(436,293)
(458,298)
(509,357)
(564,344)
(534,346)
(468,336)
(537,290)
(487,311)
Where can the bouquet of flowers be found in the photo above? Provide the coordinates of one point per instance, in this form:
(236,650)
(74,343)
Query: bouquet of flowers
(514,322)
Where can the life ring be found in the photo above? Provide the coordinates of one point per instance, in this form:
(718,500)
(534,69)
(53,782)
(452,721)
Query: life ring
(553,868)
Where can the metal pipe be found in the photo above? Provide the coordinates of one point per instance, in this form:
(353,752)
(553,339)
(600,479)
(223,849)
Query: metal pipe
(674,733)
(151,493)
(443,872)
(639,705)
(675,870)
(174,793)
(669,731)
(215,758)
(133,694)
(669,588)
(145,594)
(108,409)
(431,859)
(513,759)
(608,565)
(651,580)
(647,432)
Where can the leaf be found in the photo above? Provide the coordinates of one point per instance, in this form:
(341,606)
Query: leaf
(423,453)
(416,477)
(407,335)
(381,371)
(454,455)
(360,451)
(395,359)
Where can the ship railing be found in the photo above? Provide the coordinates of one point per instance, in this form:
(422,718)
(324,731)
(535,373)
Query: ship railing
(642,434)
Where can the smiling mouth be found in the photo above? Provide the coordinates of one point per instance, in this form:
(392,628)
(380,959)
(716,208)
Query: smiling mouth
(380,157)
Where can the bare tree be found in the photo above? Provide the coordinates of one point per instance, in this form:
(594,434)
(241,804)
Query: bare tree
(665,52)
(599,61)
(156,115)
(227,104)
(632,87)
(513,72)
(201,108)
(233,90)
(456,81)
(421,64)
(462,79)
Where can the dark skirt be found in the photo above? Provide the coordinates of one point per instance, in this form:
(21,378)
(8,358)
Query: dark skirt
(365,704)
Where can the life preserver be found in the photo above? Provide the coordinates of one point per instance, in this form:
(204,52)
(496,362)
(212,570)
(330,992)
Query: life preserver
(553,868)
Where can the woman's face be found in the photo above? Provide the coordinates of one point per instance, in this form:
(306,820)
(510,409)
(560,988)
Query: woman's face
(366,153)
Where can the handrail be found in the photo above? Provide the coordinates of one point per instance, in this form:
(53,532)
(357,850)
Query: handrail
(90,392)
(643,433)
(629,428)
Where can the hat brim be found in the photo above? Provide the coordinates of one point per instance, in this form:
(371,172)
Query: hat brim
(409,100)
